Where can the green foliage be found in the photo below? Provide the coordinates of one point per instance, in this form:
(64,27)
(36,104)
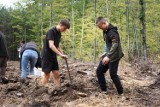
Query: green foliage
(24,23)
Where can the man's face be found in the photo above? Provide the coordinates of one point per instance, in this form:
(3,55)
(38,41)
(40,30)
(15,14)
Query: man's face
(21,44)
(62,28)
(102,25)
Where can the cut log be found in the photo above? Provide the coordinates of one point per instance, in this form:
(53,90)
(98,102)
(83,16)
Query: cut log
(81,94)
(82,72)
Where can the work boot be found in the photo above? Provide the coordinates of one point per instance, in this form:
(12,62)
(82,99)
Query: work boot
(104,92)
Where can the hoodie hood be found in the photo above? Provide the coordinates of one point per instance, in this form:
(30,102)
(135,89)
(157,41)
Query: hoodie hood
(111,27)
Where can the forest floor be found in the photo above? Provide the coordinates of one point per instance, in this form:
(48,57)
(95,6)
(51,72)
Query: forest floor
(141,88)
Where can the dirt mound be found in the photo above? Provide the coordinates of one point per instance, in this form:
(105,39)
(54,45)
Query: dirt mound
(30,90)
(147,67)
(156,84)
(40,104)
(84,90)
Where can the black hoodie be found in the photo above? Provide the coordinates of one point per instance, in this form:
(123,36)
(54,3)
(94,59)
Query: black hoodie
(113,43)
(3,46)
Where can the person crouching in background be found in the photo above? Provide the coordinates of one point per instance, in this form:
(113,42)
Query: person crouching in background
(19,52)
(29,54)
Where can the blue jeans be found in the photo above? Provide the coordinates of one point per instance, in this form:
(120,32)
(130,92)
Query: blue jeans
(28,56)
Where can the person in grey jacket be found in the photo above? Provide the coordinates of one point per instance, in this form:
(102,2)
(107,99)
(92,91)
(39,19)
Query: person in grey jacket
(3,57)
(29,53)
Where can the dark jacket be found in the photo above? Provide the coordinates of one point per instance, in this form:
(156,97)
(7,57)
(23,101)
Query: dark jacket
(113,43)
(31,46)
(3,46)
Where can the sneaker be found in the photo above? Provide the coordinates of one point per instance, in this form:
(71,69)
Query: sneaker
(122,96)
(120,92)
(104,92)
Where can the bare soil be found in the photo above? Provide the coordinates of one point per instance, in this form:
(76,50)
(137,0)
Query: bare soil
(141,89)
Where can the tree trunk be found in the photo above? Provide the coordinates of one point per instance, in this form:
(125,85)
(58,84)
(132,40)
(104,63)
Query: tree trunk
(95,32)
(158,44)
(73,32)
(137,44)
(127,27)
(120,19)
(82,28)
(25,35)
(143,31)
(51,14)
(24,24)
(107,7)
(42,23)
(135,39)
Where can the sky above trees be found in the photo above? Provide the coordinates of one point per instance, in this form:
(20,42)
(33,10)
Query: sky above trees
(8,3)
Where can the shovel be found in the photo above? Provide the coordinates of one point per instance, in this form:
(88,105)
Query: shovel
(68,70)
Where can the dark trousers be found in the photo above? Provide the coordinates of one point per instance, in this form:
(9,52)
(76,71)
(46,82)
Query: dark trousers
(102,69)
(20,64)
(3,65)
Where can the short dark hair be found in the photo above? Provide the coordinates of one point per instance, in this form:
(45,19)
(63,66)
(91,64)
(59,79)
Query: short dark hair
(65,22)
(100,19)
(23,42)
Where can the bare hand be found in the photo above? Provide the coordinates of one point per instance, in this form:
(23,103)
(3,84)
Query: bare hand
(64,56)
(100,58)
(105,60)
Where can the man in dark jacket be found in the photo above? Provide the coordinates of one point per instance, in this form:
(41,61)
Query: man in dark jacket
(3,57)
(109,60)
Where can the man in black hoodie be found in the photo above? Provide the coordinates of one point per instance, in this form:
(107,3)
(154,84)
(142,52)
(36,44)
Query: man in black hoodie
(3,57)
(109,60)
